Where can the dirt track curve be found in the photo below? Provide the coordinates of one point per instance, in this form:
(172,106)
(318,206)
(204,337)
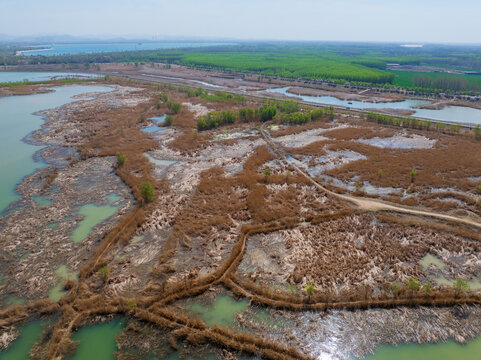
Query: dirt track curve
(367,204)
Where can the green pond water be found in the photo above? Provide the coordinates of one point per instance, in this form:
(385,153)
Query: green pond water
(113,198)
(93,215)
(221,312)
(16,122)
(429,259)
(42,201)
(63,273)
(97,342)
(29,334)
(441,351)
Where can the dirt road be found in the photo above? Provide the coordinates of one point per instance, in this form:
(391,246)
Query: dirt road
(369,204)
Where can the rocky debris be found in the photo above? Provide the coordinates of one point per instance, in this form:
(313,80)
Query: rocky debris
(8,337)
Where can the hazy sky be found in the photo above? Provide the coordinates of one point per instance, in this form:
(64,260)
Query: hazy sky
(356,20)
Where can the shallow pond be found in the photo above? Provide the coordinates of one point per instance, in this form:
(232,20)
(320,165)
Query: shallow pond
(459,114)
(98,341)
(16,122)
(429,259)
(162,163)
(93,215)
(42,201)
(154,128)
(63,273)
(441,351)
(221,312)
(29,334)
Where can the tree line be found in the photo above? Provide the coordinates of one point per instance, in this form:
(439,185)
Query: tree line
(444,83)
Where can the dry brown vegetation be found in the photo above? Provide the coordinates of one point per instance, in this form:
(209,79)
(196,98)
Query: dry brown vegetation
(342,240)
(448,164)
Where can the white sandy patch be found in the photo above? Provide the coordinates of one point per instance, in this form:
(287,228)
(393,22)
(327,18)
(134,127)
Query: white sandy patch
(401,141)
(303,138)
(197,109)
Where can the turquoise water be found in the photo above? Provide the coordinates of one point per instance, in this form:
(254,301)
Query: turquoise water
(459,114)
(97,342)
(113,198)
(93,215)
(42,201)
(62,49)
(151,129)
(17,121)
(154,128)
(221,312)
(38,76)
(441,351)
(29,334)
(63,273)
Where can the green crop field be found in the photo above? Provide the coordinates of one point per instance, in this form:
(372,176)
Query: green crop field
(340,62)
(290,65)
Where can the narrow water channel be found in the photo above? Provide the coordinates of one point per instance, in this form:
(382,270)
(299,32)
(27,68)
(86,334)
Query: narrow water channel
(459,114)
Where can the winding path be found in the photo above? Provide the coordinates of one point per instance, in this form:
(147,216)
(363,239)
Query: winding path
(368,204)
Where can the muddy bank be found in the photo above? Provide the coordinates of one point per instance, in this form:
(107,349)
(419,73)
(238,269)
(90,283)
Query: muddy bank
(23,90)
(36,232)
(347,96)
(439,105)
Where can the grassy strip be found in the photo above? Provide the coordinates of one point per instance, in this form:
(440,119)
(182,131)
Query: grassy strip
(50,82)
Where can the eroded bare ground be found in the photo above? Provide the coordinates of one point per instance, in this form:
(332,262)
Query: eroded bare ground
(222,224)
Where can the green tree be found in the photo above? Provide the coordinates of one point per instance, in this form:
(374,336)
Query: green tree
(309,289)
(174,107)
(163,97)
(168,120)
(120,159)
(413,284)
(131,304)
(103,272)
(477,132)
(267,173)
(413,174)
(267,112)
(380,173)
(428,287)
(455,128)
(460,285)
(395,288)
(292,289)
(147,191)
